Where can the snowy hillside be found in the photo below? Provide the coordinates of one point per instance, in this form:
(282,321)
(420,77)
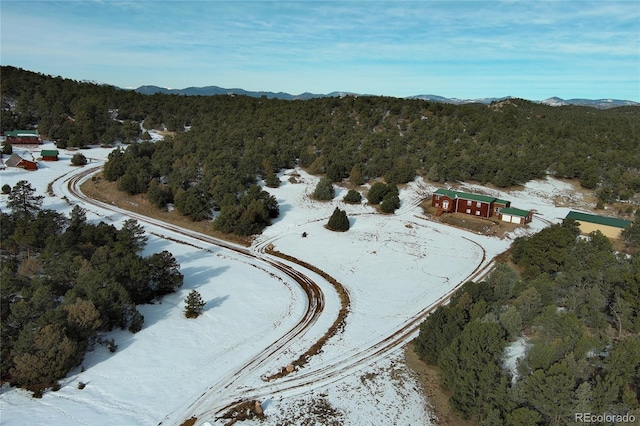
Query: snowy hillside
(393,267)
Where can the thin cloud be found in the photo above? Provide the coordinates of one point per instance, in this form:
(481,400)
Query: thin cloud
(297,45)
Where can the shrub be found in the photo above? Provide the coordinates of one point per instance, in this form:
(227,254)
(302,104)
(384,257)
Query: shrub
(137,321)
(338,221)
(78,160)
(377,192)
(7,149)
(353,197)
(6,189)
(390,203)
(324,190)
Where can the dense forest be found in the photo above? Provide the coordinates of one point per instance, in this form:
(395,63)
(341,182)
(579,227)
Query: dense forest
(219,146)
(576,304)
(64,281)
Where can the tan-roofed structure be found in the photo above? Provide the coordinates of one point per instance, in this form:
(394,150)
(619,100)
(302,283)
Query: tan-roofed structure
(611,227)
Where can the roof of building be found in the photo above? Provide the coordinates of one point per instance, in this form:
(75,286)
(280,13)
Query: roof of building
(21,133)
(13,160)
(49,152)
(505,202)
(447,192)
(515,212)
(600,220)
(465,196)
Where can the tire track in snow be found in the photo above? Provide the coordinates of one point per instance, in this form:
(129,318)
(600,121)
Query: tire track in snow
(229,392)
(227,385)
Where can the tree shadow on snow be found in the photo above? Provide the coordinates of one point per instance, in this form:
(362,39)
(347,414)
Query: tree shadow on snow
(282,212)
(197,276)
(215,302)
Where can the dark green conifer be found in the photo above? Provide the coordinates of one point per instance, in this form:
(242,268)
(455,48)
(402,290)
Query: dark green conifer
(353,197)
(338,221)
(194,305)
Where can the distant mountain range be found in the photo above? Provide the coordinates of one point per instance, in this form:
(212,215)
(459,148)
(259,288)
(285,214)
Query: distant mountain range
(215,90)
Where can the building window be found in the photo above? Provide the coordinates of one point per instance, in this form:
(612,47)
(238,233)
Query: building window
(468,203)
(478,204)
(468,211)
(437,197)
(478,213)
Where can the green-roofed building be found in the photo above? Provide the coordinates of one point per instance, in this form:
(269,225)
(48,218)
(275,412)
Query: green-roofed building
(513,215)
(447,200)
(49,154)
(612,227)
(30,137)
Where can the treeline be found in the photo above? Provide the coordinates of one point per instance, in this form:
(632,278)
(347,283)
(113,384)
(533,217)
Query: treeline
(577,305)
(363,138)
(65,280)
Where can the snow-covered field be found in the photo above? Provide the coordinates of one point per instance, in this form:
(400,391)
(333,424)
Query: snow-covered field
(394,268)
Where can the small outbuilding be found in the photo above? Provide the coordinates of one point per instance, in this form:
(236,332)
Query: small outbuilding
(611,227)
(49,154)
(513,215)
(16,161)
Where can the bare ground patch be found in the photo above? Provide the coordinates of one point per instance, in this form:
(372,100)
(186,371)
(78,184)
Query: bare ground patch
(312,411)
(100,189)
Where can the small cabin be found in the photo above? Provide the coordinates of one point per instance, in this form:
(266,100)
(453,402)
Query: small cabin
(49,154)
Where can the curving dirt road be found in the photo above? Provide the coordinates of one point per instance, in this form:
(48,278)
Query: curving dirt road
(229,391)
(224,390)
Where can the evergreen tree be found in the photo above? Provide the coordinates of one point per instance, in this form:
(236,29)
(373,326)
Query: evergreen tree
(324,190)
(194,305)
(356,176)
(338,221)
(78,160)
(390,203)
(377,192)
(272,180)
(23,201)
(353,197)
(470,366)
(42,356)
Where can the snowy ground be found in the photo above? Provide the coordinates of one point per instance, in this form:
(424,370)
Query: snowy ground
(394,267)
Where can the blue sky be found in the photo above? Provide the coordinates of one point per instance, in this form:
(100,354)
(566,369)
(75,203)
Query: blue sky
(465,49)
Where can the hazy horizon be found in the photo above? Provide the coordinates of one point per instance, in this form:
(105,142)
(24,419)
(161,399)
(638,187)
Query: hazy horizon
(455,49)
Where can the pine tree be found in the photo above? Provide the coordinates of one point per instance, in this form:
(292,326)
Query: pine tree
(194,305)
(338,221)
(324,190)
(23,201)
